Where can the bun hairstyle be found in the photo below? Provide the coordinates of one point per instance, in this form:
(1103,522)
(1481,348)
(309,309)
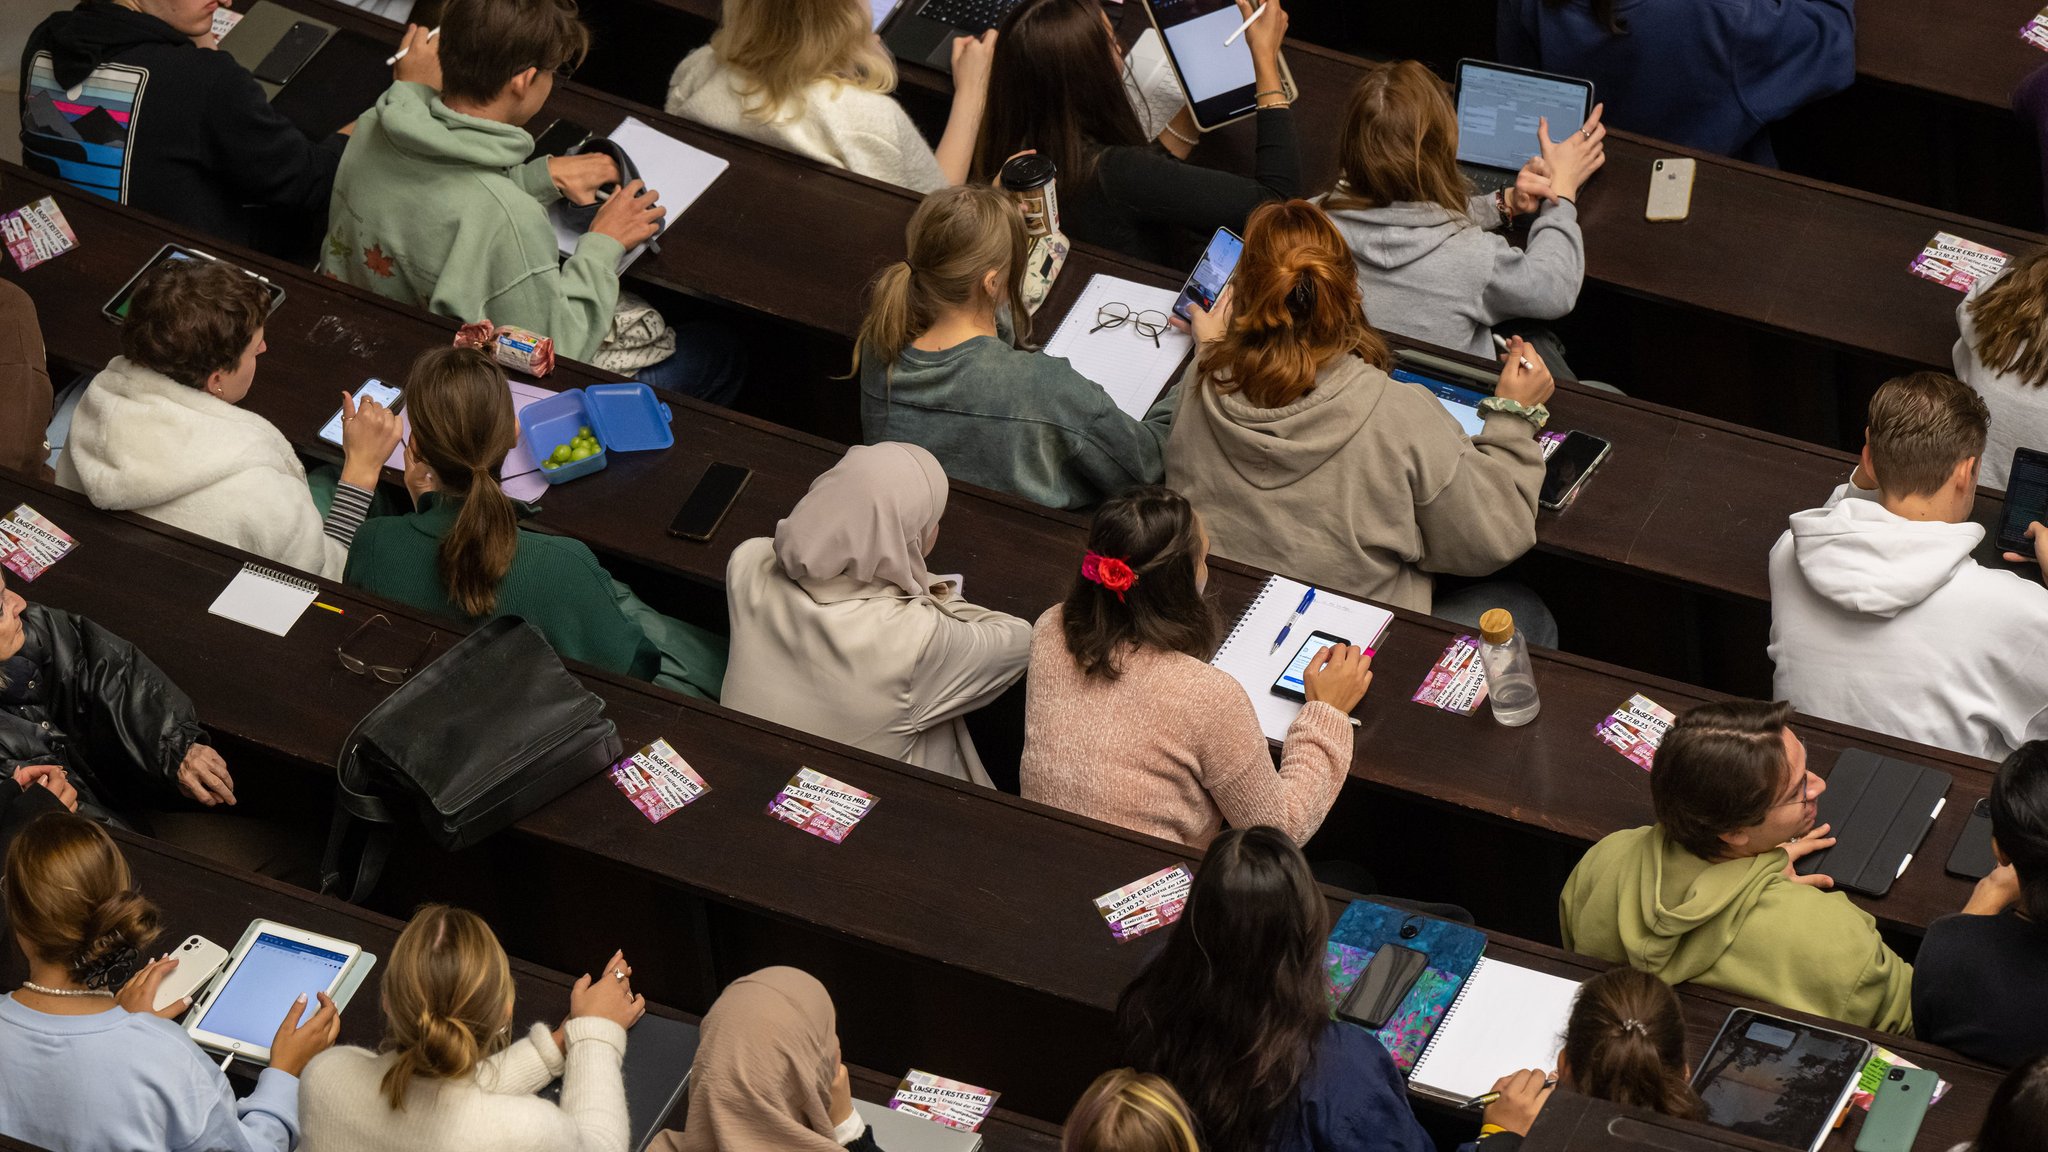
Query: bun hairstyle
(462,427)
(1152,530)
(1129,1111)
(2019,822)
(1296,308)
(1626,1043)
(954,238)
(447,999)
(1400,142)
(72,901)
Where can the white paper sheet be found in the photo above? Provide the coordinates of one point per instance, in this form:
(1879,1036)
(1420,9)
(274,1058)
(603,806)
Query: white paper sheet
(1505,1019)
(678,171)
(1249,655)
(1128,366)
(262,598)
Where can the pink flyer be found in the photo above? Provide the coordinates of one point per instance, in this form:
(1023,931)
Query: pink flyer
(948,1102)
(657,781)
(1954,262)
(29,543)
(1635,729)
(36,232)
(1146,905)
(820,805)
(1458,681)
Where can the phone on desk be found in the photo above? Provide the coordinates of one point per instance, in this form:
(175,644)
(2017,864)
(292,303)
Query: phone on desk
(293,49)
(1670,190)
(1383,985)
(1896,1109)
(1568,467)
(1972,858)
(709,501)
(198,960)
(1291,683)
(377,390)
(1211,273)
(2026,500)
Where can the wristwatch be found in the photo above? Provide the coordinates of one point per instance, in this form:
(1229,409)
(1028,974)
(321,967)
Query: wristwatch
(1535,414)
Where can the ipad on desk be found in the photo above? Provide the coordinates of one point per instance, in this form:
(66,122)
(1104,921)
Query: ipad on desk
(1881,808)
(659,1053)
(1779,1080)
(270,968)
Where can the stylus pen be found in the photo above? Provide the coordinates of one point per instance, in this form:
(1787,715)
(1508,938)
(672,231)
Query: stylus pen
(1232,38)
(1485,1098)
(400,54)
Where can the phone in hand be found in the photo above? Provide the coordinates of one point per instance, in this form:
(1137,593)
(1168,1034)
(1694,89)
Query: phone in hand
(1291,683)
(1211,273)
(1383,985)
(2026,500)
(198,960)
(1896,1109)
(1568,467)
(709,501)
(373,389)
(1670,190)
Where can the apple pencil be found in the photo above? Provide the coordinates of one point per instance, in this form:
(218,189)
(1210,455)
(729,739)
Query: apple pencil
(400,54)
(1232,38)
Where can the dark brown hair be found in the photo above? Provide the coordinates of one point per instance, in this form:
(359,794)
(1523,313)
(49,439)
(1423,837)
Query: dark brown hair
(1129,1111)
(72,901)
(192,318)
(1400,142)
(462,426)
(1296,308)
(2019,1111)
(1626,1043)
(1152,529)
(1921,426)
(2019,822)
(1248,951)
(954,238)
(1719,769)
(1054,87)
(447,999)
(485,43)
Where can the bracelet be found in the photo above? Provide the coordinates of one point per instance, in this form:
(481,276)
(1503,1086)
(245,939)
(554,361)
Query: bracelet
(1183,139)
(1271,92)
(1500,201)
(1535,414)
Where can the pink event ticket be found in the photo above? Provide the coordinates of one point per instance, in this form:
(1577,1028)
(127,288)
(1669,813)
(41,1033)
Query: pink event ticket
(29,543)
(35,232)
(820,805)
(1146,905)
(1458,682)
(1954,262)
(658,781)
(1635,729)
(948,1102)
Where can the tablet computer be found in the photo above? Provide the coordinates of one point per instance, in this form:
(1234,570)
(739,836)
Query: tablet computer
(1217,77)
(116,309)
(1779,1080)
(273,966)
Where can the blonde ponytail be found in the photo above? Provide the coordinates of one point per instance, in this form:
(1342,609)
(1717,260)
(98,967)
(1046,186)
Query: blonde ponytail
(955,238)
(447,998)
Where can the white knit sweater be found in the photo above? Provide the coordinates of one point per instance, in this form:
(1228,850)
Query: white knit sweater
(342,1109)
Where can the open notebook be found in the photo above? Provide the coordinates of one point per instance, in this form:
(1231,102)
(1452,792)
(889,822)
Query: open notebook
(1505,1018)
(1248,652)
(1129,366)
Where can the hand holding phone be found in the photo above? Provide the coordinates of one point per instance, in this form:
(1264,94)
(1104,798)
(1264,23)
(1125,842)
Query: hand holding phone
(198,960)
(1212,272)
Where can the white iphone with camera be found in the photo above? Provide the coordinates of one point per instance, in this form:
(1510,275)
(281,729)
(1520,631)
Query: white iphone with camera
(1670,190)
(198,960)
(271,968)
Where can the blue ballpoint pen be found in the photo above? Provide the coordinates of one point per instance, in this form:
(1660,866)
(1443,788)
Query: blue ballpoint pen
(1306,600)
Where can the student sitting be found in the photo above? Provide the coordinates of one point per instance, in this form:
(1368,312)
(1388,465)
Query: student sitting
(768,1073)
(1127,722)
(942,365)
(2003,354)
(1305,457)
(1430,266)
(839,629)
(1056,88)
(1709,894)
(1128,1111)
(1263,1066)
(437,206)
(25,395)
(1880,618)
(462,554)
(90,1066)
(2018,1113)
(123,98)
(450,1077)
(159,431)
(809,76)
(1981,979)
(1709,76)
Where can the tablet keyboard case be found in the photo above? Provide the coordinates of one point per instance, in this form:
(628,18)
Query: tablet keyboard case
(1881,809)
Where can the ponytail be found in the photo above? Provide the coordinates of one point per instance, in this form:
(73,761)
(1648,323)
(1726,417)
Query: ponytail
(1626,1043)
(890,324)
(476,554)
(447,998)
(462,426)
(955,238)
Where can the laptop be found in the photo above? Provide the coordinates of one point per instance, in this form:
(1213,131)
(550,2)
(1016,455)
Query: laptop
(923,31)
(1498,108)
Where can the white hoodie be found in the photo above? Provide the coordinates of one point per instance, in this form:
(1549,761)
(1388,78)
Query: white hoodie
(142,442)
(1886,623)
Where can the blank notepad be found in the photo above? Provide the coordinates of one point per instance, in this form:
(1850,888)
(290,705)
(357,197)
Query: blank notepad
(1248,653)
(678,171)
(265,598)
(1127,365)
(1505,1019)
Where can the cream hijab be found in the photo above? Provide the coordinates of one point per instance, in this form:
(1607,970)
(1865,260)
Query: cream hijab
(868,520)
(766,1058)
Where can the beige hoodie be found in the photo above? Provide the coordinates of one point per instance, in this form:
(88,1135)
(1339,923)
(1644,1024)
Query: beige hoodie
(1365,485)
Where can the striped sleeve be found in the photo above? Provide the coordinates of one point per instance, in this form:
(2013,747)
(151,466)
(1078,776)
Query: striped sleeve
(351,506)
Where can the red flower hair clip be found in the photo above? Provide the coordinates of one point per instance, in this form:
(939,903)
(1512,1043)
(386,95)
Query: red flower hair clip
(1110,572)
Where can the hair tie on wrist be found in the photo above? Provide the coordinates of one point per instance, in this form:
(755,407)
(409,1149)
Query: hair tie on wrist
(1110,572)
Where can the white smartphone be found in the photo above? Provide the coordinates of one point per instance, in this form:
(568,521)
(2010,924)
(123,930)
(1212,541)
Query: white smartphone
(274,966)
(372,389)
(198,960)
(1670,189)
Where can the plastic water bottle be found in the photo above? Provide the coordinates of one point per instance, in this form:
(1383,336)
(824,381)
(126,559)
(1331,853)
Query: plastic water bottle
(1510,681)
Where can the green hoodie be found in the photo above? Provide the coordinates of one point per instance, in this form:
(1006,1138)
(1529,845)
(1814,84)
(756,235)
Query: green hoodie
(443,211)
(1738,925)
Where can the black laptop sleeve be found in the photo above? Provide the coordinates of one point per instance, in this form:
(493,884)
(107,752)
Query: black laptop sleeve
(1881,808)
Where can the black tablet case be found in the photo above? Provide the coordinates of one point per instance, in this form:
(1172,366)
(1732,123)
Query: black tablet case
(1881,808)
(659,1052)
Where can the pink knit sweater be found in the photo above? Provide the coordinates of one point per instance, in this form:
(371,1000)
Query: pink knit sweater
(1171,747)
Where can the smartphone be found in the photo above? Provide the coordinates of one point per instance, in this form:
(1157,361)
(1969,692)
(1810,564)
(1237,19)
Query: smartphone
(1896,1109)
(2026,499)
(376,390)
(1290,683)
(1383,985)
(1670,190)
(709,501)
(1972,858)
(1217,77)
(293,49)
(1211,273)
(560,138)
(198,960)
(1568,467)
(116,309)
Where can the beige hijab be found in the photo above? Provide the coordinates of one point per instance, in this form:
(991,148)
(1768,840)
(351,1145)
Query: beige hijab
(766,1058)
(866,520)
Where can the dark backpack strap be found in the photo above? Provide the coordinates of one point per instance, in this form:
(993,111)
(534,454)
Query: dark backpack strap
(359,834)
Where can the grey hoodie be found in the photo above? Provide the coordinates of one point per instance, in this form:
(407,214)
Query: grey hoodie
(1434,276)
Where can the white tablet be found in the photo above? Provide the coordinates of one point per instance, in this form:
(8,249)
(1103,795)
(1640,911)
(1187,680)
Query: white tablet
(274,965)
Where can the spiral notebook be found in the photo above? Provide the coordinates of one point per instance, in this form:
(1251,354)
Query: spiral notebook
(1132,367)
(265,598)
(1248,653)
(1505,1018)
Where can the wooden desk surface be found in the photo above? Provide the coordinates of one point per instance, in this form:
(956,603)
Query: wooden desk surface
(1969,50)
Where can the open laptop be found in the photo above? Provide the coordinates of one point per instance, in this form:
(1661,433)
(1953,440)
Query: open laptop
(1498,108)
(924,30)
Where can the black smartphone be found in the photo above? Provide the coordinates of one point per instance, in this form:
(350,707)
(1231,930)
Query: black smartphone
(1383,985)
(1211,273)
(709,500)
(1972,858)
(559,138)
(2026,500)
(1569,466)
(293,49)
(1290,683)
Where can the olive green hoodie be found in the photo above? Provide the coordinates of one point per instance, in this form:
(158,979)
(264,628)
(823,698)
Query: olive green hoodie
(443,211)
(1738,925)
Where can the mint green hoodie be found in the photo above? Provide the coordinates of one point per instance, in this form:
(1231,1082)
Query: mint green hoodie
(1738,925)
(443,211)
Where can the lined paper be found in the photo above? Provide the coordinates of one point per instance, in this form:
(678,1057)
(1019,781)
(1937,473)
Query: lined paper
(1127,366)
(1248,655)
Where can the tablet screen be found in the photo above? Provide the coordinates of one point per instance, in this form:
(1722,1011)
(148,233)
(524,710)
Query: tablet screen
(271,975)
(1461,402)
(1218,77)
(1777,1079)
(1498,109)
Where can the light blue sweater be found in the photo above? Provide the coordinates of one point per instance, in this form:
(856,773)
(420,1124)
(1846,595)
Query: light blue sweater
(117,1081)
